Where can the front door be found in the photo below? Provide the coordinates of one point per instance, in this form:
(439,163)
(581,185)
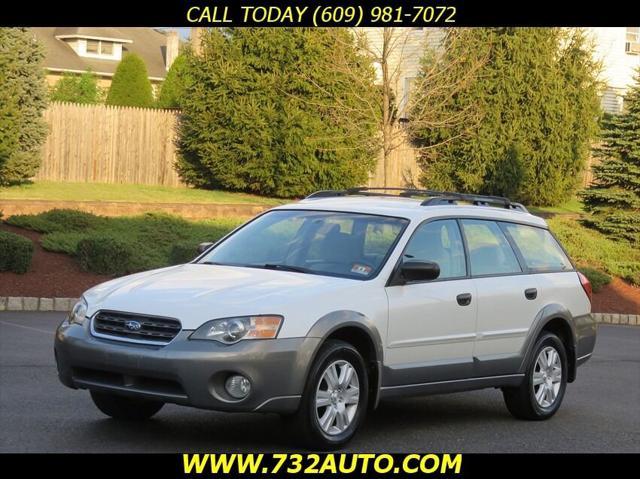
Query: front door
(432,324)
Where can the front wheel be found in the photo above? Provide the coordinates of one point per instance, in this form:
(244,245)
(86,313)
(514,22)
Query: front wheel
(541,393)
(121,407)
(335,397)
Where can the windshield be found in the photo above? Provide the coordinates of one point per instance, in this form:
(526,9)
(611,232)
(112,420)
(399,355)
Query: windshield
(349,245)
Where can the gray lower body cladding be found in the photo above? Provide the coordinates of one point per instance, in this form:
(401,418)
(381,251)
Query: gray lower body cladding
(187,372)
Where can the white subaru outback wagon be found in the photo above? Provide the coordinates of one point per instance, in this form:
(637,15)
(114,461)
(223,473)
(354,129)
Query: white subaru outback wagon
(318,310)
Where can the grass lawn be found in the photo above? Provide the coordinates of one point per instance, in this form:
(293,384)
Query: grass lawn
(58,191)
(572,207)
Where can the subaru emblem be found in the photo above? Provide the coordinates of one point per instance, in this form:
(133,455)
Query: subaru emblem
(133,325)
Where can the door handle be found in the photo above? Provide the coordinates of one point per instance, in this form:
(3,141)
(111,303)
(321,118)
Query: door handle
(531,293)
(464,299)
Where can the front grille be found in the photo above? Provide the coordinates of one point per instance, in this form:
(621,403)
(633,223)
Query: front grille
(134,327)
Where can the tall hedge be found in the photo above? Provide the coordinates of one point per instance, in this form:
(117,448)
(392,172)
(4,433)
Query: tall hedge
(534,106)
(130,85)
(614,197)
(276,111)
(23,97)
(173,86)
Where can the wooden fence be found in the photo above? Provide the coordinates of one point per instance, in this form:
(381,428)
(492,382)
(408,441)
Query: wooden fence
(403,169)
(106,144)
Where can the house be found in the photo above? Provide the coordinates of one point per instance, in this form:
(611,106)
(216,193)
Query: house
(78,49)
(618,48)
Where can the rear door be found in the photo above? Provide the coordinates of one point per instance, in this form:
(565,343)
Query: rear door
(555,277)
(507,299)
(431,335)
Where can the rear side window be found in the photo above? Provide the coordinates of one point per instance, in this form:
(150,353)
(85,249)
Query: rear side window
(540,250)
(439,241)
(489,249)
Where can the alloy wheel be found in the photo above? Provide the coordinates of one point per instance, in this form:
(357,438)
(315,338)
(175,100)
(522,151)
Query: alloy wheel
(337,397)
(547,377)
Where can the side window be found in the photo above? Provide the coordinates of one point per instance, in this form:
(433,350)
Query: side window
(441,242)
(489,250)
(540,250)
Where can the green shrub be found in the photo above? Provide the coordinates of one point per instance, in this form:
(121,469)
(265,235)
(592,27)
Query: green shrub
(597,278)
(15,252)
(57,220)
(76,88)
(153,237)
(173,85)
(107,255)
(183,252)
(130,85)
(62,241)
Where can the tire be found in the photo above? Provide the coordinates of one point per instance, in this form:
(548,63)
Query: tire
(313,425)
(539,401)
(125,408)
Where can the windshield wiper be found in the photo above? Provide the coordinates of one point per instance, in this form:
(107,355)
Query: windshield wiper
(211,262)
(284,267)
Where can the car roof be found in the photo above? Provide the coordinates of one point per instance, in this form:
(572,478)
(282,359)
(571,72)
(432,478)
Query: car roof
(412,209)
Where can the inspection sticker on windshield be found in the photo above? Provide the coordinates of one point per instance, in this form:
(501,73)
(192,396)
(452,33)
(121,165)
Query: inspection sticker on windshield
(361,269)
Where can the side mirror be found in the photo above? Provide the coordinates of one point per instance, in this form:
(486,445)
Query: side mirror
(202,247)
(419,270)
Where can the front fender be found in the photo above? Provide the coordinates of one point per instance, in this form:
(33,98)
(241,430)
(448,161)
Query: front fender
(332,323)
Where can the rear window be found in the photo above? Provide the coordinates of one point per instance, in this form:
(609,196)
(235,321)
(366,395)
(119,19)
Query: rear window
(540,250)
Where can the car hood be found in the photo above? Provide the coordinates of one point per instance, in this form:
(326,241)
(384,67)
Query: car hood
(195,293)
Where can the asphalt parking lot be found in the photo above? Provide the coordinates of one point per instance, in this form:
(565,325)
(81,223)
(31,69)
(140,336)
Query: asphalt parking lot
(601,410)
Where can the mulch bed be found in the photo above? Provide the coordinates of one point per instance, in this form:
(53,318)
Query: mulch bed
(56,275)
(52,275)
(617,297)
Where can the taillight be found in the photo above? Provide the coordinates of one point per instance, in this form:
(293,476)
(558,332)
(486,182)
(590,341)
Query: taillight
(586,285)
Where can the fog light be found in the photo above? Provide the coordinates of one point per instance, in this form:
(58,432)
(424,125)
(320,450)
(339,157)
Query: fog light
(238,387)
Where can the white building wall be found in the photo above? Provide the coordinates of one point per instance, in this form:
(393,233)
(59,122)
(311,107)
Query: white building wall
(618,66)
(409,45)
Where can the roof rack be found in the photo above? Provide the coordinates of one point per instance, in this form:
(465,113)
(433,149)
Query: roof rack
(434,198)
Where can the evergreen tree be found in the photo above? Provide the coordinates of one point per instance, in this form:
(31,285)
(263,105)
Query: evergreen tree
(533,106)
(173,85)
(614,196)
(276,111)
(76,88)
(23,97)
(130,85)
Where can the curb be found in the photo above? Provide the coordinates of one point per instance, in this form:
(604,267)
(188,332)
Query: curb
(624,319)
(16,303)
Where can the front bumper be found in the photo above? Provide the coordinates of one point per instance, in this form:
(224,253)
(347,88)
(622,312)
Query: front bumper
(187,372)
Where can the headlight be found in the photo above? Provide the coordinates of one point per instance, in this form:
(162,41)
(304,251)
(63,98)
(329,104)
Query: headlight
(232,330)
(78,312)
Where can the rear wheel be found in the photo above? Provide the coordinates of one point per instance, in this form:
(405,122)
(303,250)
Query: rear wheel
(122,407)
(335,397)
(541,393)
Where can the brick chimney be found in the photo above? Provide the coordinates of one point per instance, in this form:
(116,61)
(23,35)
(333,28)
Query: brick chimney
(173,47)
